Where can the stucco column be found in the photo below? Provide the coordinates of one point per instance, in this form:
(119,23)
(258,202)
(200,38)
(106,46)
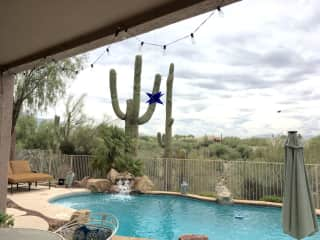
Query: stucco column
(6,103)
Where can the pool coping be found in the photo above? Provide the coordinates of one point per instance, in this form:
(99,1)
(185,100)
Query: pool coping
(192,196)
(212,199)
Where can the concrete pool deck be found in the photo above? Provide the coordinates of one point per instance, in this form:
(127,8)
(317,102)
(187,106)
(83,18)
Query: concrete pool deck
(38,200)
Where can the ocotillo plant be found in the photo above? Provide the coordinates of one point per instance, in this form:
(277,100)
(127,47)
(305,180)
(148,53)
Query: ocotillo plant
(131,117)
(166,139)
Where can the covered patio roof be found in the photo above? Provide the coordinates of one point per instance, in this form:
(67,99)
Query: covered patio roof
(36,29)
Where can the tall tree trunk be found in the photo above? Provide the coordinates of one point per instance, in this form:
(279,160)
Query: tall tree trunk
(16,109)
(13,145)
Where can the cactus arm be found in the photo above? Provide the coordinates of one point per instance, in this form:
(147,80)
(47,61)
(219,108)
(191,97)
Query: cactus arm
(171,122)
(169,96)
(160,140)
(114,95)
(150,110)
(169,119)
(137,86)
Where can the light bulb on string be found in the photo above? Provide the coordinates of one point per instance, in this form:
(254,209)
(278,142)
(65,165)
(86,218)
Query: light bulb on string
(141,45)
(193,41)
(117,32)
(164,53)
(125,34)
(221,14)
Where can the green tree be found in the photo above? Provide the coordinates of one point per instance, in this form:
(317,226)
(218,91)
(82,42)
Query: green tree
(31,134)
(25,131)
(73,117)
(83,138)
(44,135)
(41,87)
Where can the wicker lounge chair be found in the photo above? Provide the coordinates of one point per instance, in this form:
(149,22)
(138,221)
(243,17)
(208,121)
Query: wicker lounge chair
(99,226)
(19,171)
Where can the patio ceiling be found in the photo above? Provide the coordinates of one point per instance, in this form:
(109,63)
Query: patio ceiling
(36,29)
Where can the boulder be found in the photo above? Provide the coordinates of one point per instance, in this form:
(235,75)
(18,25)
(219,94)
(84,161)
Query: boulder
(114,189)
(125,176)
(112,175)
(82,183)
(143,184)
(223,193)
(193,237)
(81,216)
(99,185)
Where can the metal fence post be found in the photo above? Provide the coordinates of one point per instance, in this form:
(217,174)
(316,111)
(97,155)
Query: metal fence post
(71,161)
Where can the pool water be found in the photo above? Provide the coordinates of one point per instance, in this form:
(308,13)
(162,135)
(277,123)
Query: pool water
(168,217)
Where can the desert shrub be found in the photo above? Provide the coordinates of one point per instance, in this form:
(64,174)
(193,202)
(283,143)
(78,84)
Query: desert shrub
(271,198)
(244,150)
(6,220)
(221,151)
(67,147)
(131,165)
(114,150)
(257,142)
(232,141)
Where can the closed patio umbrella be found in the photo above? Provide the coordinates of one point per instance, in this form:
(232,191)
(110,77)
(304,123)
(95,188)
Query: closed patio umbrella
(298,212)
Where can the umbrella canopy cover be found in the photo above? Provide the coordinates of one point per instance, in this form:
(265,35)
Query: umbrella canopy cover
(298,212)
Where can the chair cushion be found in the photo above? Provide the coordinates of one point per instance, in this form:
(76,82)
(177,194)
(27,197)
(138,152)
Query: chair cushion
(20,166)
(28,177)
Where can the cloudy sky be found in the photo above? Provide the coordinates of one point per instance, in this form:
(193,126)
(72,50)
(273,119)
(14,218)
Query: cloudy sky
(260,57)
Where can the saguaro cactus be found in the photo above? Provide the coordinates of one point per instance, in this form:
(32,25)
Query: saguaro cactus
(131,117)
(166,139)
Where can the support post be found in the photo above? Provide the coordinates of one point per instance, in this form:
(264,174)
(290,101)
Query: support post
(6,104)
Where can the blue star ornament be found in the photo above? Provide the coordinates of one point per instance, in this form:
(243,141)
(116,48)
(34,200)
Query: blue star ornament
(155,98)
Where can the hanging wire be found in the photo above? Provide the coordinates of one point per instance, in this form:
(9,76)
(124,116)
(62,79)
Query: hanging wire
(203,22)
(100,56)
(143,43)
(178,40)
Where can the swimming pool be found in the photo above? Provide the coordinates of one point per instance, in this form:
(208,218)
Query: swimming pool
(167,217)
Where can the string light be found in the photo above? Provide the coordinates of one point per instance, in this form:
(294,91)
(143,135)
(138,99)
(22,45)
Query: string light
(117,32)
(192,38)
(164,50)
(221,14)
(124,36)
(142,43)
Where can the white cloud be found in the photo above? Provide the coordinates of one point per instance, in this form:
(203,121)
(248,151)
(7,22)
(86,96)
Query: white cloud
(262,56)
